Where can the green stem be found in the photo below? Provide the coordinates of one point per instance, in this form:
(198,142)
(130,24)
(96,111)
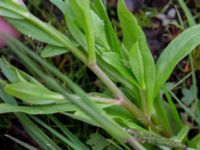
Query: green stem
(144,101)
(122,99)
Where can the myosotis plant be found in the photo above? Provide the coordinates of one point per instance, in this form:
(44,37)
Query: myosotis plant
(134,111)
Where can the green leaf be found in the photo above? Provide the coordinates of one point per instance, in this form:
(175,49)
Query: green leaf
(50,51)
(161,111)
(97,141)
(82,12)
(15,75)
(180,47)
(188,96)
(126,123)
(32,129)
(190,18)
(60,4)
(183,133)
(99,31)
(33,31)
(131,30)
(136,63)
(110,33)
(23,144)
(68,133)
(175,120)
(195,141)
(33,93)
(7,13)
(57,134)
(38,110)
(76,27)
(71,24)
(131,34)
(114,59)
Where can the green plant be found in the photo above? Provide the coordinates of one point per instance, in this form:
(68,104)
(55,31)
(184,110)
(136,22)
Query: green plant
(134,111)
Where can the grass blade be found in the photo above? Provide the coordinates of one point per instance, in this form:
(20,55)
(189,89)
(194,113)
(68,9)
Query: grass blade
(87,106)
(23,144)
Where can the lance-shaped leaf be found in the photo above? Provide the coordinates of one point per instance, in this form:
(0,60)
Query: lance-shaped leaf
(33,31)
(76,32)
(136,63)
(114,59)
(110,33)
(37,110)
(174,53)
(44,109)
(33,93)
(131,34)
(50,51)
(76,26)
(83,15)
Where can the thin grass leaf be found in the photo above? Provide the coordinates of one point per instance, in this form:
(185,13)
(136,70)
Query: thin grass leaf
(44,109)
(191,22)
(184,107)
(162,115)
(187,12)
(23,144)
(194,141)
(57,134)
(68,133)
(183,133)
(37,110)
(36,133)
(174,111)
(87,106)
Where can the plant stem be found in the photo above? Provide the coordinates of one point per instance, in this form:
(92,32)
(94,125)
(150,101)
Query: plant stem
(144,102)
(135,146)
(122,100)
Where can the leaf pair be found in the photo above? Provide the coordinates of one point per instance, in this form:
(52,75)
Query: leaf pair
(140,59)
